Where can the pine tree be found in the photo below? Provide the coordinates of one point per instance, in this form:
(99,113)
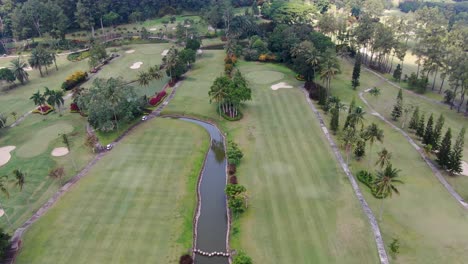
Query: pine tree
(397,109)
(414,119)
(335,119)
(397,73)
(350,110)
(438,132)
(443,156)
(456,156)
(428,138)
(420,128)
(356,72)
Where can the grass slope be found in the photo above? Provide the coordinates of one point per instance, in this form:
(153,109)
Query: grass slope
(430,224)
(131,208)
(301,207)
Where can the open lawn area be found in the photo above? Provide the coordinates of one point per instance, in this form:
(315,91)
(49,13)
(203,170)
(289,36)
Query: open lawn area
(301,207)
(429,223)
(135,206)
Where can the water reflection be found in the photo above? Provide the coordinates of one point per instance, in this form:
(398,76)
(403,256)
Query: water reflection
(218,148)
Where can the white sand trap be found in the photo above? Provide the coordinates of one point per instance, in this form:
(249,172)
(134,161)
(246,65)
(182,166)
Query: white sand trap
(187,26)
(210,28)
(28,68)
(164,53)
(465,168)
(58,152)
(199,51)
(130,51)
(281,85)
(153,29)
(5,154)
(136,65)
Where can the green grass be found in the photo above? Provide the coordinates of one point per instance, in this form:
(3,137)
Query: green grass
(301,206)
(427,220)
(133,205)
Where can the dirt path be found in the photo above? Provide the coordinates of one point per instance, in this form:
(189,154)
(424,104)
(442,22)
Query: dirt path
(16,238)
(365,206)
(429,162)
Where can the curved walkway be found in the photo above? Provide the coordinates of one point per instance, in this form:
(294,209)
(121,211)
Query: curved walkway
(16,238)
(373,221)
(429,162)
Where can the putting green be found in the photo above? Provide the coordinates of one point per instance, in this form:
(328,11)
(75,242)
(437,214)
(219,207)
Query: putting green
(41,140)
(264,77)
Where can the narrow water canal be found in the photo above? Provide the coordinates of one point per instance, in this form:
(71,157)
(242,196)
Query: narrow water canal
(212,224)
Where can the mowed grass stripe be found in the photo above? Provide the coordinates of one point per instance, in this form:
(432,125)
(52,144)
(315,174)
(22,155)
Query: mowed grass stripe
(126,210)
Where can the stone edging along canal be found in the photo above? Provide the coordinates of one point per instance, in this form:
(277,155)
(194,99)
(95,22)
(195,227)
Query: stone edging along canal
(357,191)
(197,213)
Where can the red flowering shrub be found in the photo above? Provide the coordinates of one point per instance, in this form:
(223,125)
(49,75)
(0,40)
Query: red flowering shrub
(74,108)
(43,109)
(233,179)
(158,98)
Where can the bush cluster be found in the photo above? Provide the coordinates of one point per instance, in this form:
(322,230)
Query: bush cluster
(234,154)
(78,56)
(368,179)
(74,108)
(74,79)
(158,98)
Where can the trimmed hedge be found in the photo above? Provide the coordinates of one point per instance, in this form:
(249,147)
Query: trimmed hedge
(74,79)
(43,109)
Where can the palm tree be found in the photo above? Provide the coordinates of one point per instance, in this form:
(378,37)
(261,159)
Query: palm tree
(374,91)
(144,78)
(218,91)
(19,181)
(330,68)
(155,72)
(349,140)
(357,117)
(18,67)
(373,133)
(36,61)
(385,184)
(54,98)
(67,144)
(3,120)
(384,158)
(19,176)
(38,99)
(314,57)
(53,56)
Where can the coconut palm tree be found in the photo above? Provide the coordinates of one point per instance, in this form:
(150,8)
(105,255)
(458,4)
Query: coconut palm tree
(330,68)
(349,140)
(356,117)
(218,91)
(38,99)
(155,72)
(314,58)
(19,181)
(373,133)
(384,158)
(20,178)
(36,61)
(144,78)
(53,57)
(385,184)
(54,98)
(18,67)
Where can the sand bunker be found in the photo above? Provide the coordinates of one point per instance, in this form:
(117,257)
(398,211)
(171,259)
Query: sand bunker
(153,29)
(130,51)
(58,152)
(5,154)
(28,68)
(136,65)
(281,85)
(464,168)
(199,51)
(164,53)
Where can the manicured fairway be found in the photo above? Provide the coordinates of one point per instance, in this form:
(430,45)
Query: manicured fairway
(301,207)
(429,223)
(133,205)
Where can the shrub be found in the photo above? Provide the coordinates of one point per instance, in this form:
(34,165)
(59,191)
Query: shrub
(158,98)
(233,179)
(74,108)
(237,205)
(43,109)
(74,79)
(4,242)
(186,259)
(366,177)
(234,153)
(231,169)
(267,57)
(242,258)
(300,77)
(233,190)
(395,247)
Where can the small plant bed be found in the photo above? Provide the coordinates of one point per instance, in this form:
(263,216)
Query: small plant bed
(300,77)
(73,80)
(43,109)
(158,99)
(78,56)
(74,108)
(369,180)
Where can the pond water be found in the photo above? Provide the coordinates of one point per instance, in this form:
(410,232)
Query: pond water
(213,221)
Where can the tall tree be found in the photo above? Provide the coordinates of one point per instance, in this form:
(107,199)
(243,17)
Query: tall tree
(456,156)
(428,138)
(66,141)
(330,67)
(397,73)
(398,107)
(414,119)
(217,91)
(437,134)
(385,184)
(38,99)
(18,67)
(445,150)
(372,134)
(84,14)
(349,140)
(421,127)
(356,71)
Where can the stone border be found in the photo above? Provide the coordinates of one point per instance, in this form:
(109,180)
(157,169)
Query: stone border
(357,191)
(11,254)
(197,214)
(428,161)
